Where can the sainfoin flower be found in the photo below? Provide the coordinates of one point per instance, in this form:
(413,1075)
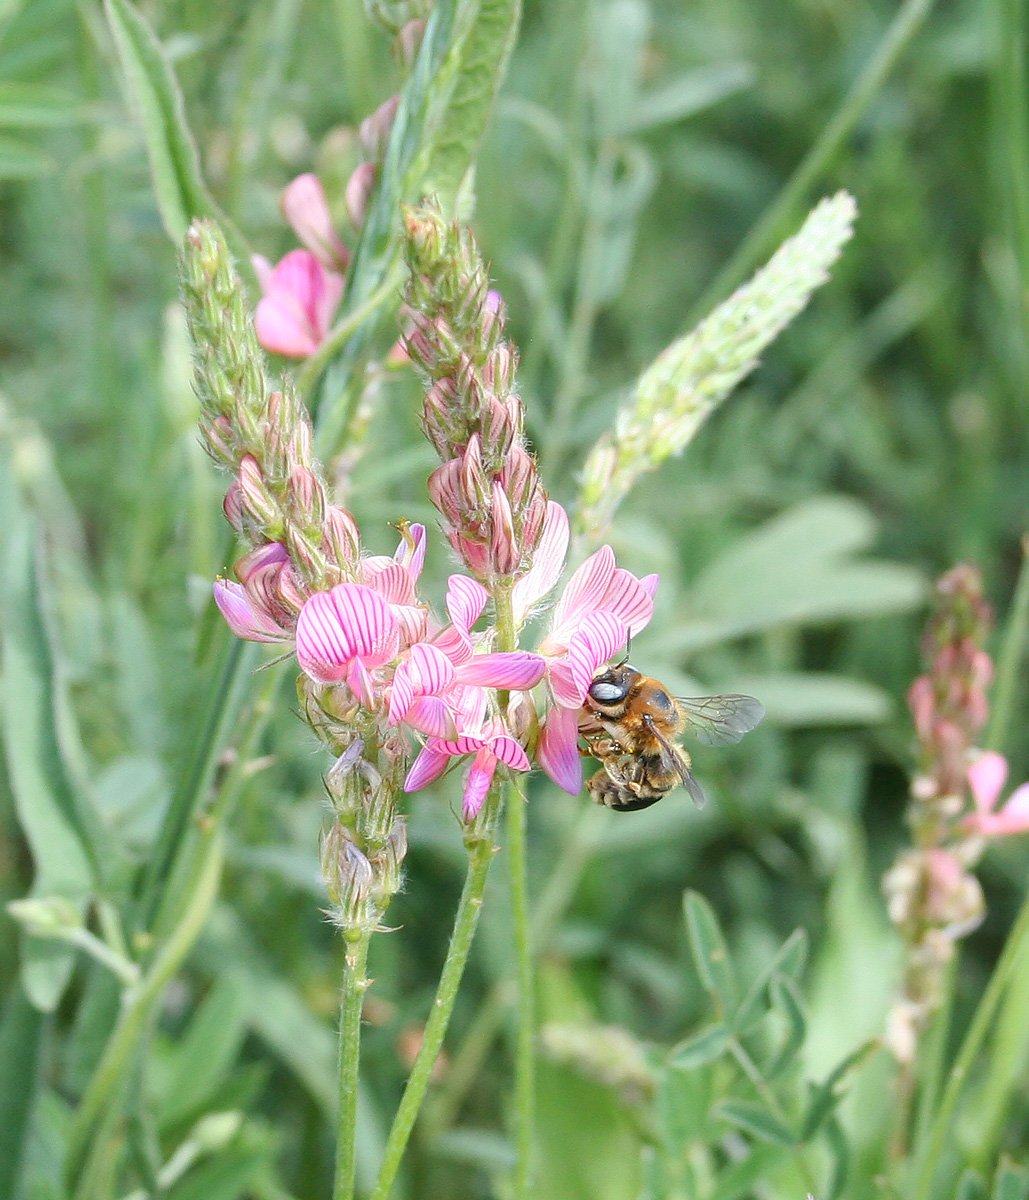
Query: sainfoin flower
(300,298)
(601,608)
(986,779)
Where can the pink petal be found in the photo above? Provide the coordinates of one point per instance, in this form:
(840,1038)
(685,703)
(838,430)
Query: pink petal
(428,766)
(412,622)
(242,618)
(401,695)
(628,600)
(305,207)
(393,582)
(558,749)
(282,330)
(361,683)
(432,671)
(268,554)
(463,744)
(510,752)
(264,271)
(547,564)
(585,589)
(411,551)
(986,778)
(465,601)
(431,716)
(1015,812)
(595,642)
(566,688)
(515,670)
(469,707)
(335,627)
(649,584)
(476,788)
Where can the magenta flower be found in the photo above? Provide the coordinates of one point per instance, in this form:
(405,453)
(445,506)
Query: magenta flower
(343,635)
(306,209)
(488,740)
(262,607)
(396,578)
(245,619)
(601,608)
(986,779)
(296,310)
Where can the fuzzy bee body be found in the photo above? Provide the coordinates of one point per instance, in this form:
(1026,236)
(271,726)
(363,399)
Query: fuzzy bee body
(630,723)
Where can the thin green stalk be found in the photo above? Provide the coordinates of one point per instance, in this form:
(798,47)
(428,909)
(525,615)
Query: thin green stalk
(138,1006)
(768,232)
(480,856)
(525,1042)
(525,1045)
(340,334)
(1010,658)
(355,984)
(928,1160)
(933,1054)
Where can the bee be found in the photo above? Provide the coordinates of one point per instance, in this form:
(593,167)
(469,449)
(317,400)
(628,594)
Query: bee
(630,724)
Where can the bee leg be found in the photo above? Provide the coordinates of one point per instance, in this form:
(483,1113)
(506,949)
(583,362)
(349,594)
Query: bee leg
(603,789)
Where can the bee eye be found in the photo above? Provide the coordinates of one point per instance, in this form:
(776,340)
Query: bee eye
(606,693)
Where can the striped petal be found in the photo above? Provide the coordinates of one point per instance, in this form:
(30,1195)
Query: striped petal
(393,582)
(597,639)
(515,670)
(410,554)
(336,627)
(431,716)
(564,685)
(465,601)
(242,617)
(361,683)
(510,752)
(629,600)
(427,767)
(464,744)
(476,787)
(547,564)
(558,749)
(585,591)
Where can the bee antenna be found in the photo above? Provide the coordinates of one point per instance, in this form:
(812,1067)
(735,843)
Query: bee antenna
(628,651)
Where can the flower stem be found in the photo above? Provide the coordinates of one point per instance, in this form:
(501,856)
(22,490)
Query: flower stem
(480,856)
(355,984)
(525,1045)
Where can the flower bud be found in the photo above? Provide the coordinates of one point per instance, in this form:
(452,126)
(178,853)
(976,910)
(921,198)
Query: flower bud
(358,192)
(503,543)
(374,131)
(254,494)
(341,538)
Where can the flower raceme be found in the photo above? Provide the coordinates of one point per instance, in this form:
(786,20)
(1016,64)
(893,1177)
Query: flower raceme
(372,636)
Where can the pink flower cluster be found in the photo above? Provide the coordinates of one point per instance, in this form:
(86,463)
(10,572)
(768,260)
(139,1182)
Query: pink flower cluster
(301,293)
(373,637)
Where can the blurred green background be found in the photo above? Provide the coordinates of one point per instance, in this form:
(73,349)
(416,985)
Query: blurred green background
(633,147)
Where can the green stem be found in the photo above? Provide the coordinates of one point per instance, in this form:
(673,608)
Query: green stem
(766,234)
(480,856)
(139,1005)
(340,334)
(525,1041)
(525,1045)
(981,1025)
(355,984)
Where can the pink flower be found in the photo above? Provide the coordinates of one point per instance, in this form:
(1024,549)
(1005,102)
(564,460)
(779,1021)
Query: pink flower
(296,310)
(305,207)
(245,619)
(601,608)
(986,778)
(262,607)
(395,579)
(488,740)
(343,635)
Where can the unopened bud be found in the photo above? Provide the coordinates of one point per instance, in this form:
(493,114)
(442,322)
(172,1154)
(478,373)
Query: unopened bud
(503,543)
(358,192)
(374,131)
(255,496)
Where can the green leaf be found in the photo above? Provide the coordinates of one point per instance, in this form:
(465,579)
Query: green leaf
(789,961)
(208,1049)
(755,1120)
(710,952)
(787,1000)
(971,1186)
(738,1178)
(839,1148)
(36,106)
(154,94)
(690,93)
(703,1047)
(826,1097)
(45,805)
(467,85)
(1010,1182)
(799,699)
(20,160)
(20,1042)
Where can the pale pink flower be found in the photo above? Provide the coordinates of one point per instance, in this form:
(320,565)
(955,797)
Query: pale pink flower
(601,608)
(300,297)
(307,210)
(395,578)
(488,740)
(343,635)
(245,619)
(262,607)
(986,779)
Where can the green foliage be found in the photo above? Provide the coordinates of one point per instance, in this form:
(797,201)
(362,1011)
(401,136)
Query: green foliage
(619,160)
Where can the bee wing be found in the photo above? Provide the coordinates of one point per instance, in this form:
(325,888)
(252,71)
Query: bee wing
(674,755)
(721,720)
